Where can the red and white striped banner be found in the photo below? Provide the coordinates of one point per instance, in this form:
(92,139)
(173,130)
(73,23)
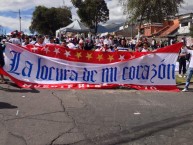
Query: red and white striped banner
(54,66)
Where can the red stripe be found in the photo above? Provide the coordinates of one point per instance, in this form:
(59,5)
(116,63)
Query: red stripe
(22,84)
(97,57)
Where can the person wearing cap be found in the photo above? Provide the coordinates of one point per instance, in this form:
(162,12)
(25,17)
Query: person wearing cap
(15,38)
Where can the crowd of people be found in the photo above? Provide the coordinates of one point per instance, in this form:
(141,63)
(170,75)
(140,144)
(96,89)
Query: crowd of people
(97,43)
(107,43)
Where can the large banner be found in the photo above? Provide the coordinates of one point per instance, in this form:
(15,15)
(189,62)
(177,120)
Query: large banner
(54,66)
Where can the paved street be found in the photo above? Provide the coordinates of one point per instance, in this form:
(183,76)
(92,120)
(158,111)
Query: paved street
(94,117)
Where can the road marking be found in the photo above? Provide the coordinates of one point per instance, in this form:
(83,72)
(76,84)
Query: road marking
(137,113)
(17,112)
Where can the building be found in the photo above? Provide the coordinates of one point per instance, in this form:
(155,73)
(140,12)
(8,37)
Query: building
(168,27)
(178,26)
(186,20)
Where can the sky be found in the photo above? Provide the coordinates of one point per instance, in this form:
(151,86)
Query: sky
(9,12)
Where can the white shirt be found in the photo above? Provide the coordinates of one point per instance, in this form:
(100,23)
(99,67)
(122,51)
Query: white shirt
(191,58)
(15,41)
(184,50)
(46,40)
(42,45)
(144,50)
(153,42)
(133,41)
(71,46)
(171,41)
(102,49)
(33,42)
(23,44)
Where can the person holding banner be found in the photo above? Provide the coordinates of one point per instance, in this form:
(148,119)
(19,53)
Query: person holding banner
(26,41)
(81,44)
(104,47)
(123,46)
(40,41)
(15,38)
(2,63)
(190,71)
(145,47)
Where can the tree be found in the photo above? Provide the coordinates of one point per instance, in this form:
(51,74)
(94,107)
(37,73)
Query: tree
(151,10)
(92,12)
(48,20)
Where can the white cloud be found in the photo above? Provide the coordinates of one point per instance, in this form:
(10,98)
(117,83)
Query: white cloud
(115,10)
(14,23)
(187,7)
(14,5)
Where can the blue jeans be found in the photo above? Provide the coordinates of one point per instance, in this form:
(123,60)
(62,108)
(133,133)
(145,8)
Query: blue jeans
(189,76)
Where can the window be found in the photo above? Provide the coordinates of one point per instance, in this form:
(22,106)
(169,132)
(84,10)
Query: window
(184,24)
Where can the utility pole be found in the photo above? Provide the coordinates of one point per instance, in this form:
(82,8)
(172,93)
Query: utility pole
(19,20)
(19,12)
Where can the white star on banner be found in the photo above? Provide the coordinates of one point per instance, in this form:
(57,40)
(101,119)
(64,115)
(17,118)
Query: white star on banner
(27,80)
(67,53)
(37,86)
(45,86)
(132,56)
(69,86)
(26,85)
(47,50)
(81,86)
(34,49)
(122,57)
(88,86)
(97,86)
(54,86)
(56,51)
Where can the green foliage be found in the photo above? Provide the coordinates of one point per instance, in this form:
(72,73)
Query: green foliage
(151,10)
(77,3)
(191,31)
(92,12)
(48,20)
